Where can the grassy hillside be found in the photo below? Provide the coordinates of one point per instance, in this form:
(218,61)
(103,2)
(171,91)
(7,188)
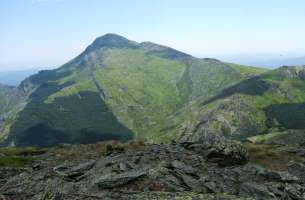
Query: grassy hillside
(6,95)
(11,101)
(120,89)
(270,102)
(65,108)
(116,89)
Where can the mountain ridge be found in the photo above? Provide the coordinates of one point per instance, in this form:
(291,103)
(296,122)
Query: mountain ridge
(145,91)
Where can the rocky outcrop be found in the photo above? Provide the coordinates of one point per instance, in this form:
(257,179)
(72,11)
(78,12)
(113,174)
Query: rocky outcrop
(116,180)
(293,72)
(76,172)
(220,150)
(7,172)
(297,169)
(212,170)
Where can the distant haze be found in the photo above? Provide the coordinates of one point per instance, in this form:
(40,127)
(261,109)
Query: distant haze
(14,77)
(37,33)
(267,61)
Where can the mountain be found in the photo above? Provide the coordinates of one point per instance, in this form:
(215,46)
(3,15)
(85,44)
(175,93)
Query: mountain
(269,106)
(6,92)
(14,78)
(12,101)
(119,89)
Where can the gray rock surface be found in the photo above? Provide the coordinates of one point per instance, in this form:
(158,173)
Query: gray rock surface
(176,171)
(116,180)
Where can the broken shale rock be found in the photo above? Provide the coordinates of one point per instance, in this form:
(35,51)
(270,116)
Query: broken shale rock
(116,180)
(222,151)
(158,171)
(76,172)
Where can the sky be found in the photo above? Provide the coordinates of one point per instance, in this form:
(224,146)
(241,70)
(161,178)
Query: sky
(48,33)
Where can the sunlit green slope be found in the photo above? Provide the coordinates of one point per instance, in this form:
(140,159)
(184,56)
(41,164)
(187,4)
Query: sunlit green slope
(271,104)
(120,89)
(116,89)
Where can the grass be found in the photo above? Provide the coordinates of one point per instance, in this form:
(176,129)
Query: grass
(15,161)
(141,89)
(260,139)
(24,157)
(271,156)
(254,110)
(94,151)
(70,119)
(18,157)
(15,151)
(82,85)
(248,71)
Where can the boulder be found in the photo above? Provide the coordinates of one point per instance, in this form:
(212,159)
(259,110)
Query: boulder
(284,177)
(180,166)
(259,191)
(227,153)
(74,173)
(297,169)
(116,180)
(220,150)
(293,192)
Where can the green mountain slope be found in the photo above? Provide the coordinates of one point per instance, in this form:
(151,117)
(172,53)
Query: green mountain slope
(120,89)
(6,94)
(11,101)
(271,103)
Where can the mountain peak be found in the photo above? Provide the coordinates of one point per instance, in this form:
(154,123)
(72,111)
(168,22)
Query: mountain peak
(112,40)
(111,36)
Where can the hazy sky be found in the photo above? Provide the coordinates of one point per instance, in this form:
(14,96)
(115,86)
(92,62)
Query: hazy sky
(43,33)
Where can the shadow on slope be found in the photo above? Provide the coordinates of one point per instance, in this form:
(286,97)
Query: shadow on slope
(80,118)
(290,116)
(252,86)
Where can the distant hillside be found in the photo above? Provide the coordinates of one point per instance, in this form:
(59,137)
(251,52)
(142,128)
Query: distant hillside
(6,93)
(271,104)
(14,78)
(121,89)
(10,102)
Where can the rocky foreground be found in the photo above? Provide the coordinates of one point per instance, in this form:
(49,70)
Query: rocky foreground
(218,170)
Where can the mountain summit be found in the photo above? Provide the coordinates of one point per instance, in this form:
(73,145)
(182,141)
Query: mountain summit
(111,40)
(119,89)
